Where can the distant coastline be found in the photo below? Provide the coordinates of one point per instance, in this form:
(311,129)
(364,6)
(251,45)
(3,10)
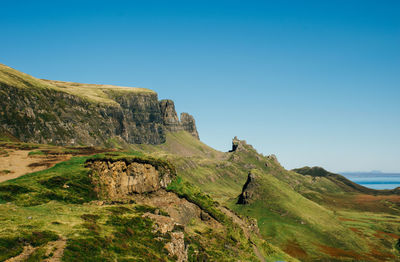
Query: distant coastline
(375,179)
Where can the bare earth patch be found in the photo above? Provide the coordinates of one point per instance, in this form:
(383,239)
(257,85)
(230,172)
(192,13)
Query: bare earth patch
(28,250)
(18,163)
(55,250)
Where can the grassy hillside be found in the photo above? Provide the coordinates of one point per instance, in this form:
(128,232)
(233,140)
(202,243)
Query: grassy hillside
(91,92)
(57,209)
(309,217)
(309,213)
(344,183)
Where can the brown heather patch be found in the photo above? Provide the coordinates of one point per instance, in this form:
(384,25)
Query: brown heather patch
(356,230)
(381,234)
(294,249)
(363,199)
(347,219)
(377,254)
(337,252)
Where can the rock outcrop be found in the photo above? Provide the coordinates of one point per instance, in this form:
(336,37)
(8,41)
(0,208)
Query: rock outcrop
(176,247)
(171,120)
(169,116)
(235,144)
(249,190)
(64,113)
(117,179)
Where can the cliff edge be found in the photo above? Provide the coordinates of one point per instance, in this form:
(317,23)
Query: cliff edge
(66,113)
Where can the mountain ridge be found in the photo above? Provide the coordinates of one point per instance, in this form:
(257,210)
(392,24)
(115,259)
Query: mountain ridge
(67,113)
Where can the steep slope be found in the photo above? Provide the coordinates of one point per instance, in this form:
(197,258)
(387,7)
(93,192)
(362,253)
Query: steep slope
(122,206)
(65,113)
(168,196)
(305,216)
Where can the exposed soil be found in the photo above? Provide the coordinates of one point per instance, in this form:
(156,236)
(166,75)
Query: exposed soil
(181,210)
(55,250)
(18,163)
(28,250)
(15,160)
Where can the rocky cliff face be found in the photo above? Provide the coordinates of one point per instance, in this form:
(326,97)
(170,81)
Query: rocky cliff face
(117,179)
(49,116)
(171,120)
(63,113)
(249,190)
(189,125)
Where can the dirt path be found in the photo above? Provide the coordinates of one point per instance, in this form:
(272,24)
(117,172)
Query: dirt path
(57,249)
(245,229)
(18,163)
(28,250)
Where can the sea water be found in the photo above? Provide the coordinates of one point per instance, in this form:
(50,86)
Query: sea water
(375,180)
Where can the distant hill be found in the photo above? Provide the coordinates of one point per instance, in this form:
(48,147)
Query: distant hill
(342,181)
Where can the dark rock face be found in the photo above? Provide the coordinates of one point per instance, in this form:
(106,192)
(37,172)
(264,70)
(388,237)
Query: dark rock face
(48,116)
(169,116)
(235,144)
(248,191)
(188,124)
(171,120)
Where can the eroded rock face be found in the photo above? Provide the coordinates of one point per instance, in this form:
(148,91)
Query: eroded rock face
(169,116)
(189,124)
(119,179)
(249,190)
(176,247)
(172,122)
(240,145)
(48,116)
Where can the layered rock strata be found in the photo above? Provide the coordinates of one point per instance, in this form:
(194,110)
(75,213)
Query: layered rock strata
(65,113)
(117,179)
(172,122)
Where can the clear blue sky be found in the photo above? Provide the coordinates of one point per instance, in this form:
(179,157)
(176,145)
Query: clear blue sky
(314,82)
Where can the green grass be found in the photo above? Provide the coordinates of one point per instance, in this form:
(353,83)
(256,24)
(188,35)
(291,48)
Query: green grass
(194,195)
(59,200)
(67,182)
(36,153)
(291,208)
(93,93)
(12,246)
(313,212)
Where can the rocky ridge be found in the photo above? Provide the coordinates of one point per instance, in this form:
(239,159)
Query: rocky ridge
(65,113)
(171,120)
